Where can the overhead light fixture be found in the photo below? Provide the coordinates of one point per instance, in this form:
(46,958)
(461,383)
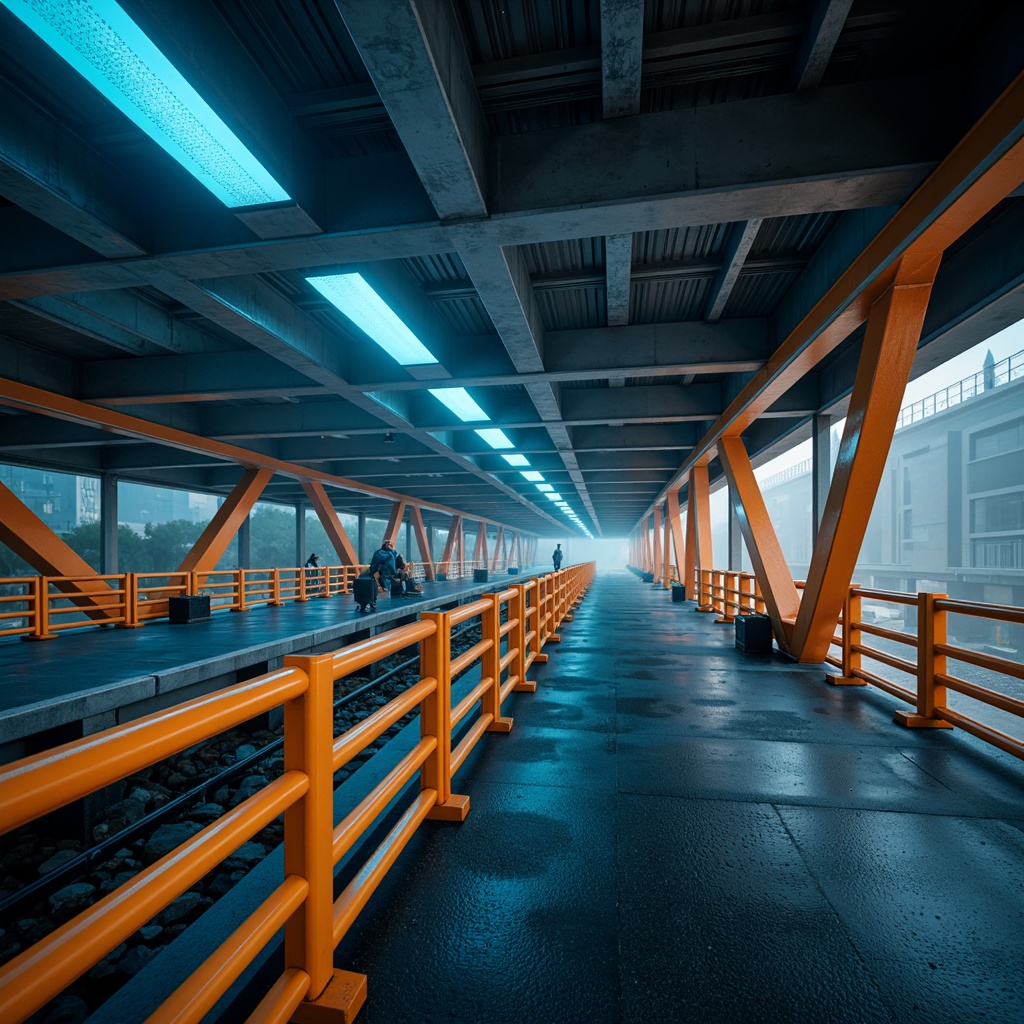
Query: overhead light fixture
(553,497)
(517,460)
(460,402)
(351,295)
(389,438)
(115,56)
(531,474)
(498,439)
(544,487)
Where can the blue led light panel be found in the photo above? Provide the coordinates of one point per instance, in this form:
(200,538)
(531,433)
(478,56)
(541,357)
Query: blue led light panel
(499,439)
(115,56)
(460,402)
(516,459)
(351,295)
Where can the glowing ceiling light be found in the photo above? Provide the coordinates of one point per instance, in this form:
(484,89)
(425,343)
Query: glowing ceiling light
(498,439)
(553,497)
(460,402)
(532,475)
(115,56)
(544,487)
(351,295)
(516,460)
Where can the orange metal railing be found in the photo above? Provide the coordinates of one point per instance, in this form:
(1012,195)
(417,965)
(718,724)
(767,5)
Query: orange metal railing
(919,659)
(303,903)
(41,607)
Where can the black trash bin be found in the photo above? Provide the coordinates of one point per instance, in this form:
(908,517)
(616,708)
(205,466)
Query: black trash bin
(754,634)
(479,575)
(678,593)
(648,577)
(182,610)
(513,571)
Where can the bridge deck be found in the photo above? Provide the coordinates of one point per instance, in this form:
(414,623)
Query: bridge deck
(673,831)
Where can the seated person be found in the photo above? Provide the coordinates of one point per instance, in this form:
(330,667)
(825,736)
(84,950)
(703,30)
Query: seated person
(402,573)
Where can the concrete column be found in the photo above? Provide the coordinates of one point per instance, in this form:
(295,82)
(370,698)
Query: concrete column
(245,543)
(300,534)
(108,525)
(821,468)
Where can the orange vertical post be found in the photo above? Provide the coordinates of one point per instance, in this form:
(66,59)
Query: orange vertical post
(490,666)
(698,523)
(931,631)
(675,522)
(851,641)
(436,721)
(518,608)
(308,842)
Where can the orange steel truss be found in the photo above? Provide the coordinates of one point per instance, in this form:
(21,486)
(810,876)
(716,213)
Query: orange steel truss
(394,523)
(303,902)
(888,286)
(340,540)
(31,539)
(421,541)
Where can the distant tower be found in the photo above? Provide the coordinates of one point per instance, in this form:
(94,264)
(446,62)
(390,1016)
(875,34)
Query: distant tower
(989,370)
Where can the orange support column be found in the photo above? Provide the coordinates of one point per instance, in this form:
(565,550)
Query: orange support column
(698,527)
(675,522)
(887,353)
(451,545)
(336,534)
(421,541)
(436,721)
(308,848)
(770,566)
(395,522)
(214,540)
(931,696)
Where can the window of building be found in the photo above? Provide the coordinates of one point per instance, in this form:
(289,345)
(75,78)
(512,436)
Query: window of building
(1008,437)
(998,513)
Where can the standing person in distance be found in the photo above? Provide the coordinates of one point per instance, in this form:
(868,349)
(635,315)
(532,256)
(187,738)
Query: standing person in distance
(312,572)
(556,557)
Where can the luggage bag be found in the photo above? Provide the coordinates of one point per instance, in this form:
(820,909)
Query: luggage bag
(364,589)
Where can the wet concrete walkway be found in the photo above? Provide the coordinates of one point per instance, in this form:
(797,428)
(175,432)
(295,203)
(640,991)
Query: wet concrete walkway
(677,832)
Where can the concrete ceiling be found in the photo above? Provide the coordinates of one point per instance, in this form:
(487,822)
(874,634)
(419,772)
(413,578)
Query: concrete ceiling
(602,218)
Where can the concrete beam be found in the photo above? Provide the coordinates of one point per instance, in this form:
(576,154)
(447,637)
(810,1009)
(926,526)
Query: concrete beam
(416,57)
(819,40)
(622,38)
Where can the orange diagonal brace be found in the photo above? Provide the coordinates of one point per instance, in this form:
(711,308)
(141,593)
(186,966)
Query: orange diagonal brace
(336,534)
(31,539)
(759,535)
(887,353)
(421,541)
(499,549)
(451,544)
(675,520)
(214,540)
(395,522)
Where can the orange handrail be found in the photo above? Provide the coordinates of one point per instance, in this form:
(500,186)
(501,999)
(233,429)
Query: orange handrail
(314,923)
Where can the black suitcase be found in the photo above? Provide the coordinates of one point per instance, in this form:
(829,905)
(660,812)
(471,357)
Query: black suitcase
(397,589)
(364,589)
